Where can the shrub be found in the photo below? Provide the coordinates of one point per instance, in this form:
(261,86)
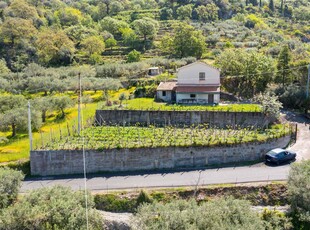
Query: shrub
(112,203)
(51,208)
(151,91)
(182,215)
(10,182)
(299,193)
(270,104)
(143,198)
(293,96)
(275,220)
(134,56)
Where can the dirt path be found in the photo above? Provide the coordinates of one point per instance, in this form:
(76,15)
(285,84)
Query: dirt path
(302,145)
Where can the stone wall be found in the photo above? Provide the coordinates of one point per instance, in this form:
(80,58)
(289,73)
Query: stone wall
(62,162)
(181,118)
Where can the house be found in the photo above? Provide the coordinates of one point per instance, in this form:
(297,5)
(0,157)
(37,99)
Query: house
(197,83)
(166,91)
(153,71)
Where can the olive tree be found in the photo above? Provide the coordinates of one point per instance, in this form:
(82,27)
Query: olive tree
(182,215)
(13,114)
(10,182)
(270,104)
(51,208)
(146,27)
(186,41)
(299,192)
(61,103)
(44,104)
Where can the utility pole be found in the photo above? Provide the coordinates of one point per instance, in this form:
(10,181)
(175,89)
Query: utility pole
(29,125)
(79,105)
(307,90)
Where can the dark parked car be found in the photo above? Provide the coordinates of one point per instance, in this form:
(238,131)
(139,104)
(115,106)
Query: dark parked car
(278,156)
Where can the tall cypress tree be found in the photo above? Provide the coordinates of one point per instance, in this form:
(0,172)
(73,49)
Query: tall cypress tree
(282,7)
(283,65)
(271,5)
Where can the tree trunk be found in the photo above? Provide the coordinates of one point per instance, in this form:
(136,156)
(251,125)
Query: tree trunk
(108,9)
(144,46)
(13,130)
(43,115)
(62,113)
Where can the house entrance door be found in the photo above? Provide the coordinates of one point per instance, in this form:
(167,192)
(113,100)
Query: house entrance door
(173,96)
(210,98)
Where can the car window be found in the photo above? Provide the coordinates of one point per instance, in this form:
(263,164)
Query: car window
(280,155)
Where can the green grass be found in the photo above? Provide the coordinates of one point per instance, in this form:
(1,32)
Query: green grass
(150,104)
(116,137)
(18,148)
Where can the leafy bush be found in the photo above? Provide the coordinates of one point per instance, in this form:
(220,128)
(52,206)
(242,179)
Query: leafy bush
(183,215)
(133,56)
(270,104)
(112,203)
(143,198)
(23,166)
(299,193)
(292,96)
(51,208)
(151,91)
(276,220)
(10,182)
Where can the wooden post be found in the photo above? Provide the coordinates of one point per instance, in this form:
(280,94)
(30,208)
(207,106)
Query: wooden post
(51,135)
(60,134)
(42,140)
(68,129)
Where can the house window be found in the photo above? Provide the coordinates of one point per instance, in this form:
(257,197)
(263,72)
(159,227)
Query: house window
(202,76)
(192,95)
(164,93)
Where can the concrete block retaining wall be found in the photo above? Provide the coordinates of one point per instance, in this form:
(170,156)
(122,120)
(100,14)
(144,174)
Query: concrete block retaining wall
(181,118)
(49,162)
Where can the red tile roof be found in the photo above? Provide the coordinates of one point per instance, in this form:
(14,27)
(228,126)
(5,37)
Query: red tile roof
(197,89)
(169,86)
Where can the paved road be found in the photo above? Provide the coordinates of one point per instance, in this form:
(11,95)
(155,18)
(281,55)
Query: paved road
(253,173)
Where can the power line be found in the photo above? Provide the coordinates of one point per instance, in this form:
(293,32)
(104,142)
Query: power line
(241,75)
(83,149)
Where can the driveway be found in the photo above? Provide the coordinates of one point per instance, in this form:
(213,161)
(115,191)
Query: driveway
(302,145)
(252,173)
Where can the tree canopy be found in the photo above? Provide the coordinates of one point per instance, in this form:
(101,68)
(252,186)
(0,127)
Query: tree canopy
(185,42)
(51,208)
(10,182)
(216,214)
(299,193)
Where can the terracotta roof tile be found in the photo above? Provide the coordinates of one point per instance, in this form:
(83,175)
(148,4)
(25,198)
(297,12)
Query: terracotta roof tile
(169,86)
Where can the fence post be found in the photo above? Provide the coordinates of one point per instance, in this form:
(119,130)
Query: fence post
(60,133)
(51,134)
(68,129)
(42,139)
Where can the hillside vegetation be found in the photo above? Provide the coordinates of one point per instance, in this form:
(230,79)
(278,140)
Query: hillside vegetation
(260,46)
